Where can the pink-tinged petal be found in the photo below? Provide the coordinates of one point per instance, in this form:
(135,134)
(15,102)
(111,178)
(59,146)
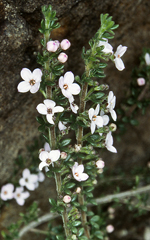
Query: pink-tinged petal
(119,64)
(49,118)
(96,111)
(99,121)
(10,187)
(93,126)
(66,93)
(54,155)
(91,113)
(68,78)
(74,88)
(26,173)
(147,59)
(113,115)
(20,201)
(61,126)
(74,167)
(84,177)
(111,149)
(74,107)
(105,120)
(30,186)
(26,74)
(49,103)
(47,147)
(43,155)
(121,50)
(110,96)
(80,169)
(35,87)
(43,164)
(61,82)
(109,139)
(19,190)
(37,74)
(58,109)
(41,177)
(23,87)
(42,109)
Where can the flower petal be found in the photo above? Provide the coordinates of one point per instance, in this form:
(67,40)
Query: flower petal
(49,103)
(91,113)
(113,115)
(42,164)
(26,173)
(99,121)
(147,59)
(49,118)
(43,155)
(74,88)
(61,82)
(119,64)
(35,87)
(47,147)
(54,155)
(42,109)
(120,50)
(23,87)
(111,149)
(58,109)
(80,169)
(20,201)
(26,74)
(68,78)
(66,93)
(105,120)
(93,126)
(37,74)
(41,177)
(84,177)
(97,110)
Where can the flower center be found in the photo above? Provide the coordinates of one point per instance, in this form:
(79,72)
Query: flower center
(118,56)
(77,174)
(5,192)
(26,179)
(94,118)
(48,161)
(65,86)
(49,111)
(32,82)
(18,194)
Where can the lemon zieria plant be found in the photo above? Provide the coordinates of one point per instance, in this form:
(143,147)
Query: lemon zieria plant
(74,161)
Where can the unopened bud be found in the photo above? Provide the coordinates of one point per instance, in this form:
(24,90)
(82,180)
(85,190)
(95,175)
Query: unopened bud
(74,237)
(113,127)
(110,228)
(67,199)
(65,44)
(141,81)
(94,182)
(52,46)
(62,57)
(100,170)
(63,155)
(77,147)
(100,163)
(78,190)
(41,150)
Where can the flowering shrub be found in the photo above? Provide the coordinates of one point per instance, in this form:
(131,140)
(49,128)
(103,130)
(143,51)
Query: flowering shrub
(74,163)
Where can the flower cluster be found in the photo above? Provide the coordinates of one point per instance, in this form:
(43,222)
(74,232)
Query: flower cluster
(28,180)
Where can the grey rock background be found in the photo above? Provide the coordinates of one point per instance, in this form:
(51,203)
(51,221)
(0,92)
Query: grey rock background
(79,19)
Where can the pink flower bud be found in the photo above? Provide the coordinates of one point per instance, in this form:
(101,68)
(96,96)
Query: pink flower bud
(63,155)
(100,164)
(62,57)
(52,46)
(110,228)
(41,150)
(141,81)
(67,199)
(65,44)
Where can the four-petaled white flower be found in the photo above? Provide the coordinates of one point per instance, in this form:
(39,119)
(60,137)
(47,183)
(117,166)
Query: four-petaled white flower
(7,192)
(48,157)
(28,180)
(31,80)
(111,105)
(147,59)
(67,86)
(61,126)
(78,172)
(95,120)
(20,195)
(109,143)
(118,54)
(107,47)
(48,109)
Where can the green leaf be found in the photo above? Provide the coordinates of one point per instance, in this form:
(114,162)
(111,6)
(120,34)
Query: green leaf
(83,238)
(70,185)
(41,128)
(76,223)
(52,202)
(40,120)
(99,235)
(60,209)
(81,231)
(65,142)
(49,174)
(96,218)
(46,138)
(134,122)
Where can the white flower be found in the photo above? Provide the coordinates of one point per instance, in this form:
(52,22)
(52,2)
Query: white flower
(147,59)
(95,120)
(48,157)
(109,143)
(118,54)
(31,80)
(74,107)
(62,57)
(48,109)
(107,47)
(111,105)
(141,81)
(52,46)
(77,171)
(65,44)
(100,163)
(61,126)
(67,199)
(29,180)
(20,196)
(67,86)
(7,192)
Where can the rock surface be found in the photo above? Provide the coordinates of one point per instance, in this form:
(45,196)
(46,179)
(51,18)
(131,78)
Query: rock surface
(19,44)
